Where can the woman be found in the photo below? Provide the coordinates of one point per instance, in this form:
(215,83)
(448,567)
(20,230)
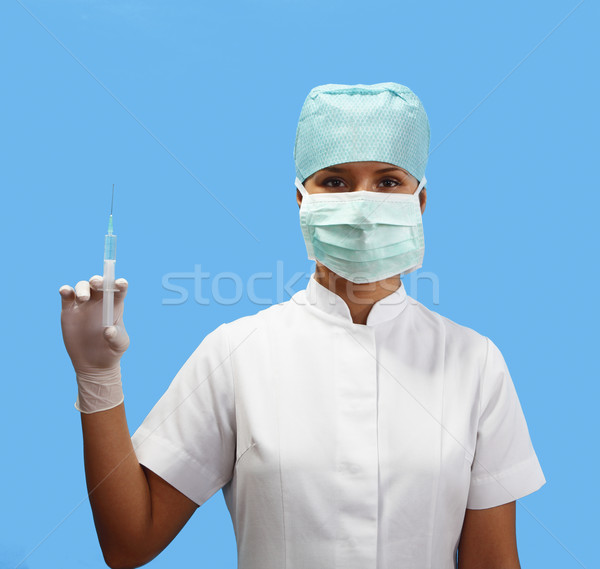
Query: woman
(348,427)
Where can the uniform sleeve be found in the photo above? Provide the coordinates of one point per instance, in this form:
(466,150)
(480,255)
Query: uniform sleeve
(505,466)
(189,436)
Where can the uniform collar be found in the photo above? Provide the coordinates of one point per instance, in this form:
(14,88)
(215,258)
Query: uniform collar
(328,301)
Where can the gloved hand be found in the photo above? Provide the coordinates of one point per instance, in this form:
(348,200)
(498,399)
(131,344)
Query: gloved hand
(95,351)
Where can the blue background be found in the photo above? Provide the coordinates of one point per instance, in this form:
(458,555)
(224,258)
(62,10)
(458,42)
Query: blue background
(190,108)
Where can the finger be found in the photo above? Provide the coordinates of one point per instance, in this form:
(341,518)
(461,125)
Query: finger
(122,285)
(67,294)
(96,287)
(82,291)
(96,282)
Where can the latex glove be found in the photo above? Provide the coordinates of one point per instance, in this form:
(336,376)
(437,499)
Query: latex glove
(95,350)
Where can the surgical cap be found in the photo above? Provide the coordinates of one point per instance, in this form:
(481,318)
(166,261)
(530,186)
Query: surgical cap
(385,122)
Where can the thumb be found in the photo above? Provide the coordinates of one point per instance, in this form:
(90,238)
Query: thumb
(110,333)
(117,338)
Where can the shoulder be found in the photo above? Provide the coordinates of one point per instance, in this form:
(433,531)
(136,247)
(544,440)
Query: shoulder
(456,337)
(269,319)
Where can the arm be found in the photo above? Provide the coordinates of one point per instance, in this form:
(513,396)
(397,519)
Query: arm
(488,539)
(136,513)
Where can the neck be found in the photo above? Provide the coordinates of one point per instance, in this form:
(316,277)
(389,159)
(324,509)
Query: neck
(360,298)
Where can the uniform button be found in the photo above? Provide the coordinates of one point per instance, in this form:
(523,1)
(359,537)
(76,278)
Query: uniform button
(350,467)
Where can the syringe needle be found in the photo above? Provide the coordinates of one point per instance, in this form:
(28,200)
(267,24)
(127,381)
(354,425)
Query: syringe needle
(112,199)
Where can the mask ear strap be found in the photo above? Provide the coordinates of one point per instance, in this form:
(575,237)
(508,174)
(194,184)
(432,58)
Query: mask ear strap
(301,187)
(421,185)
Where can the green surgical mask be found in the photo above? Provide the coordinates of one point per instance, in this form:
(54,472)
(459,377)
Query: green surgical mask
(363,236)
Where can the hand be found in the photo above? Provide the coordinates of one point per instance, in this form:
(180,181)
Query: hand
(95,351)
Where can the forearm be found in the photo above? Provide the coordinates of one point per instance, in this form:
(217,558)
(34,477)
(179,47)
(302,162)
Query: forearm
(118,489)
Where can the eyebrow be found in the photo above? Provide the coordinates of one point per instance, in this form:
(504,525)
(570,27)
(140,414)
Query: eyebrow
(339,169)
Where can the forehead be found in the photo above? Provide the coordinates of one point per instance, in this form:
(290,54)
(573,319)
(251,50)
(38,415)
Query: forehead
(362,167)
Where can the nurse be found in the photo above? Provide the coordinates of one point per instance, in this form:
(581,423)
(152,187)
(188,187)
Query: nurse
(349,427)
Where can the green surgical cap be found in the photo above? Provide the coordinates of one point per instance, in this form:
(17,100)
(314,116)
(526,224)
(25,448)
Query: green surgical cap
(385,122)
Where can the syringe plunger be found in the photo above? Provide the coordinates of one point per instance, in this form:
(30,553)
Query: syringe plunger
(108,280)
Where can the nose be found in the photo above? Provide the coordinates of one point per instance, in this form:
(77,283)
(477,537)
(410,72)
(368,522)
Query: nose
(362,187)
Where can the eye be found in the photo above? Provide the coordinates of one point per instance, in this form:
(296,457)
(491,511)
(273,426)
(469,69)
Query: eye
(334,181)
(393,181)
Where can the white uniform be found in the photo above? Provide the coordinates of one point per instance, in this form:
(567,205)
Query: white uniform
(340,445)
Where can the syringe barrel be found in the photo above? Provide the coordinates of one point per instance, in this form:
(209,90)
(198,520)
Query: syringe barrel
(108,291)
(110,247)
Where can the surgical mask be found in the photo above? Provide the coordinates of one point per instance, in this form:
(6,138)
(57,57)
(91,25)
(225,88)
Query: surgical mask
(363,236)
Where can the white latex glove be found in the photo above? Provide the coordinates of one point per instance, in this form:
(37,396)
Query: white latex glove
(95,351)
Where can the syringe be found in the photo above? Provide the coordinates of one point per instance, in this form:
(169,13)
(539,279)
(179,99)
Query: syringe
(108,281)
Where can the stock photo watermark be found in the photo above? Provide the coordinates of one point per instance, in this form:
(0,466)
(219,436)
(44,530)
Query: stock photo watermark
(228,287)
